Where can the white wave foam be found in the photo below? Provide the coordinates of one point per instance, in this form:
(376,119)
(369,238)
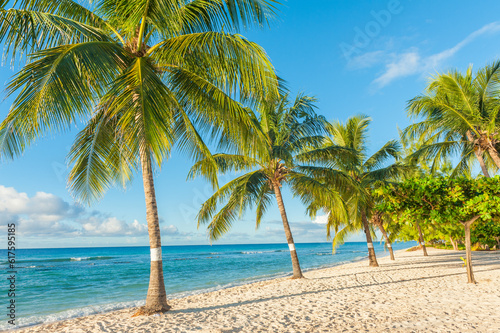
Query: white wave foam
(254,252)
(73,313)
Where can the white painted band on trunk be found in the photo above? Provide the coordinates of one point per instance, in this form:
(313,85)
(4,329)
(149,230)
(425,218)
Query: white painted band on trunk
(389,245)
(370,245)
(156,254)
(291,247)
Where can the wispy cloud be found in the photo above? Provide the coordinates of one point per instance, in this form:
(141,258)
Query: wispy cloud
(404,65)
(412,62)
(366,60)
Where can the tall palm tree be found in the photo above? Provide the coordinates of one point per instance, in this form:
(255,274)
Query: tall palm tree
(141,75)
(364,172)
(461,115)
(282,131)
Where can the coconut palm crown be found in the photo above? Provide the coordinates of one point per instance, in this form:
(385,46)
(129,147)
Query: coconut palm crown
(283,130)
(363,171)
(140,75)
(460,117)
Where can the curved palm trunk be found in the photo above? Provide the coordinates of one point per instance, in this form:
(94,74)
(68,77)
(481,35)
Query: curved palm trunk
(387,241)
(454,244)
(421,239)
(156,300)
(494,155)
(479,155)
(371,251)
(468,249)
(297,272)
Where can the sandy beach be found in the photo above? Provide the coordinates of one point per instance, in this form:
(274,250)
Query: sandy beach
(412,294)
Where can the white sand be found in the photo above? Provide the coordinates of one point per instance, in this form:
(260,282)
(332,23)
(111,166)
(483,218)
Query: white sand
(412,294)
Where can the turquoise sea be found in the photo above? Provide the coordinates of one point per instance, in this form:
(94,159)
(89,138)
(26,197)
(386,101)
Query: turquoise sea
(56,284)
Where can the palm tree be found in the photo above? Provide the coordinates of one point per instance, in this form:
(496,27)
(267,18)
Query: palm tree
(141,75)
(282,131)
(461,115)
(364,171)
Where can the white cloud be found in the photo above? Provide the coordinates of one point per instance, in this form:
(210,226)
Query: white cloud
(412,62)
(44,228)
(45,214)
(111,226)
(42,206)
(406,64)
(170,230)
(321,219)
(366,60)
(11,201)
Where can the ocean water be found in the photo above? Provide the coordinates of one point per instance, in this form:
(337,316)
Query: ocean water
(56,284)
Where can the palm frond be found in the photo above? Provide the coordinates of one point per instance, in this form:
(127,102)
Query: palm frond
(99,158)
(209,168)
(264,200)
(329,155)
(146,107)
(391,149)
(23,32)
(238,67)
(202,102)
(393,172)
(316,195)
(212,15)
(240,194)
(56,89)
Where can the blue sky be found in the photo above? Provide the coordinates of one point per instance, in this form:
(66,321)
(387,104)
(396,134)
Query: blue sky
(366,57)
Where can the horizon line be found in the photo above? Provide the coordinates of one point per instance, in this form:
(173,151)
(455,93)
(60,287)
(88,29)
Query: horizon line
(131,246)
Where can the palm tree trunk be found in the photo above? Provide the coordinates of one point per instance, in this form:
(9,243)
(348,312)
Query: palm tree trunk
(297,272)
(156,300)
(371,251)
(468,249)
(494,155)
(480,158)
(454,244)
(421,239)
(479,155)
(498,242)
(387,241)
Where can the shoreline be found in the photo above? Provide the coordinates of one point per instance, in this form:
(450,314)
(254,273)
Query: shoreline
(236,298)
(90,310)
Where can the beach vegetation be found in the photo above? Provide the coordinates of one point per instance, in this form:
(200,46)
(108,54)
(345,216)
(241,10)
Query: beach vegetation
(444,200)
